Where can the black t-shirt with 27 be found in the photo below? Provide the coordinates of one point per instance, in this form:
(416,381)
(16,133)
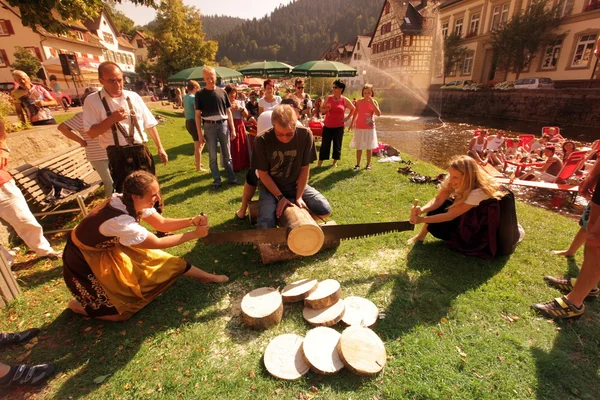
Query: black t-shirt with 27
(212,103)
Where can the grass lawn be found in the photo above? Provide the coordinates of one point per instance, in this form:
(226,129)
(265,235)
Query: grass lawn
(454,327)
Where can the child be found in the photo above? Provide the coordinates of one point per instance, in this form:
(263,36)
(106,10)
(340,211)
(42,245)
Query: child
(365,136)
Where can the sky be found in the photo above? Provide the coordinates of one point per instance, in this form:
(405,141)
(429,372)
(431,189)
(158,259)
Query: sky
(234,8)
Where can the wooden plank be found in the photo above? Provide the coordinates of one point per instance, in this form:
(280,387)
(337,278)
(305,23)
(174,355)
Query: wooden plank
(492,171)
(540,185)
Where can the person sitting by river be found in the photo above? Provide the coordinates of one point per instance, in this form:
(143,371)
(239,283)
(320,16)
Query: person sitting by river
(113,265)
(465,187)
(568,148)
(547,172)
(477,147)
(494,146)
(538,145)
(554,136)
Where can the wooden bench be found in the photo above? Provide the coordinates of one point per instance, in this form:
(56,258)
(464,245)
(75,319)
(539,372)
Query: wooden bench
(70,162)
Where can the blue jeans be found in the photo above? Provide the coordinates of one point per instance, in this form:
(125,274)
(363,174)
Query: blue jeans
(267,205)
(220,133)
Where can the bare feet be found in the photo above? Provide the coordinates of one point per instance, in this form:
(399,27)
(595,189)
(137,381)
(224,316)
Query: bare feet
(565,253)
(199,168)
(240,215)
(212,278)
(334,164)
(76,307)
(415,239)
(319,164)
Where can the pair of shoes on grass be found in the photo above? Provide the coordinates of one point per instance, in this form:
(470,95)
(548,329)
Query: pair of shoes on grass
(561,307)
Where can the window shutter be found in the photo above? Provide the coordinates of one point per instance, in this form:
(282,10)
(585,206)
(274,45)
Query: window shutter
(38,53)
(9,27)
(5,57)
(53,51)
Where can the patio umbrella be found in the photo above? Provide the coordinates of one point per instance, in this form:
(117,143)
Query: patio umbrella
(254,82)
(324,69)
(224,75)
(266,69)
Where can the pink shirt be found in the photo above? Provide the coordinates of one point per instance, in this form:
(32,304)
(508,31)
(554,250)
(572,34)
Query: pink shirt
(335,116)
(365,112)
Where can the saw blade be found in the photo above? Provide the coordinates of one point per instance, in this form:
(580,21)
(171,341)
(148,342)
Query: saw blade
(249,236)
(353,231)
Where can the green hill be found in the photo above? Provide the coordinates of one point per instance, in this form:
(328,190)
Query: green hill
(218,25)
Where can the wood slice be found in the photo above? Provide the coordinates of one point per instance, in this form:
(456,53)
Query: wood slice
(304,235)
(327,293)
(360,312)
(262,308)
(320,350)
(327,316)
(298,290)
(284,358)
(361,350)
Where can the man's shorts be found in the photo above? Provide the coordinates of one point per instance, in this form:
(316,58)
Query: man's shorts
(190,125)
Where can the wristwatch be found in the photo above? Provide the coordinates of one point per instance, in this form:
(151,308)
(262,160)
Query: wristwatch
(281,196)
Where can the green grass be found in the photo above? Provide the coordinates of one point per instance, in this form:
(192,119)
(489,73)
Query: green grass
(454,327)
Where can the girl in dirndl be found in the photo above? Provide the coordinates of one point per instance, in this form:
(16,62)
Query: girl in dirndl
(365,135)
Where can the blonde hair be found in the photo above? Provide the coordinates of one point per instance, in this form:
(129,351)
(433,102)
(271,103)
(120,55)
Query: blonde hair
(18,72)
(284,115)
(367,86)
(474,177)
(209,70)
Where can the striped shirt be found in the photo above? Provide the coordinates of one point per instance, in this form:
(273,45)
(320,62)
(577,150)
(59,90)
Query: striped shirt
(93,150)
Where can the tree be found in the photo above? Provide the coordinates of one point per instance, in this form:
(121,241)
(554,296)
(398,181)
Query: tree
(225,62)
(123,22)
(516,42)
(454,54)
(26,61)
(180,41)
(35,13)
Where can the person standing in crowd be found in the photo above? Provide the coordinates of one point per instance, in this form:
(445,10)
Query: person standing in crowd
(178,98)
(316,112)
(270,100)
(119,119)
(334,109)
(252,105)
(213,115)
(58,90)
(95,154)
(189,107)
(32,99)
(282,157)
(14,209)
(365,135)
(303,99)
(239,145)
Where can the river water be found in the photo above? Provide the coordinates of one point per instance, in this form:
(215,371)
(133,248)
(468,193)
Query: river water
(433,140)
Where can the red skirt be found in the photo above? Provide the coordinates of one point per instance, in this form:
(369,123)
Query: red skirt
(239,147)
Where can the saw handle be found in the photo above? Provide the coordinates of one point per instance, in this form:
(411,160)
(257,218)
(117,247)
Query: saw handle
(414,212)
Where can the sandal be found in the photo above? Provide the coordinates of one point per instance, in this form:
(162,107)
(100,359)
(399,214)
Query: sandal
(368,167)
(566,285)
(7,339)
(238,218)
(405,170)
(29,375)
(559,308)
(356,167)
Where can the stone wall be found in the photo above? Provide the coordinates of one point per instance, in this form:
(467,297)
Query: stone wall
(565,107)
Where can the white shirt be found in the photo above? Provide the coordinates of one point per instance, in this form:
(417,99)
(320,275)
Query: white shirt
(494,143)
(125,227)
(94,113)
(475,197)
(266,106)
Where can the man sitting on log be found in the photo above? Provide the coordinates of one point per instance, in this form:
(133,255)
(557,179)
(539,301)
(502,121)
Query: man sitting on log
(282,157)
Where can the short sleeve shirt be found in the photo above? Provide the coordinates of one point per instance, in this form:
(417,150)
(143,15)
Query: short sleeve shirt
(27,97)
(266,106)
(283,161)
(93,150)
(475,197)
(213,104)
(125,227)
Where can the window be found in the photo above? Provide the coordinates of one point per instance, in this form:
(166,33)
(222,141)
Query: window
(140,59)
(360,56)
(468,64)
(499,16)
(110,55)
(6,28)
(3,59)
(398,41)
(385,45)
(35,51)
(391,45)
(79,35)
(405,61)
(583,51)
(108,38)
(458,25)
(550,58)
(407,42)
(140,43)
(53,52)
(445,29)
(474,25)
(130,59)
(387,9)
(564,9)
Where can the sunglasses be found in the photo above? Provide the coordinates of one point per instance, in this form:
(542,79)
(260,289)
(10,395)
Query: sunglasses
(286,134)
(299,87)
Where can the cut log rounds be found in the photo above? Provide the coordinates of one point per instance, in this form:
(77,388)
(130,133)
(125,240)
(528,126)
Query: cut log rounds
(320,350)
(327,316)
(361,350)
(262,308)
(304,237)
(284,358)
(298,290)
(327,293)
(360,312)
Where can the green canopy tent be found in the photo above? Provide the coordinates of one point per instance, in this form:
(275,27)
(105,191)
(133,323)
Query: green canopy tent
(324,69)
(266,69)
(224,76)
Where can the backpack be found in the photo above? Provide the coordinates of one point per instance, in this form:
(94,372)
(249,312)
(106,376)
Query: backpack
(508,231)
(54,181)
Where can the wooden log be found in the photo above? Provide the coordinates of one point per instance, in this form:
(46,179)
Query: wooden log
(253,211)
(327,316)
(320,350)
(262,308)
(284,358)
(327,293)
(298,290)
(272,253)
(9,288)
(360,311)
(361,350)
(304,237)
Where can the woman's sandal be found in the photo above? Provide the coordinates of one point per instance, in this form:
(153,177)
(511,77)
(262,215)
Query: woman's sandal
(566,285)
(368,167)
